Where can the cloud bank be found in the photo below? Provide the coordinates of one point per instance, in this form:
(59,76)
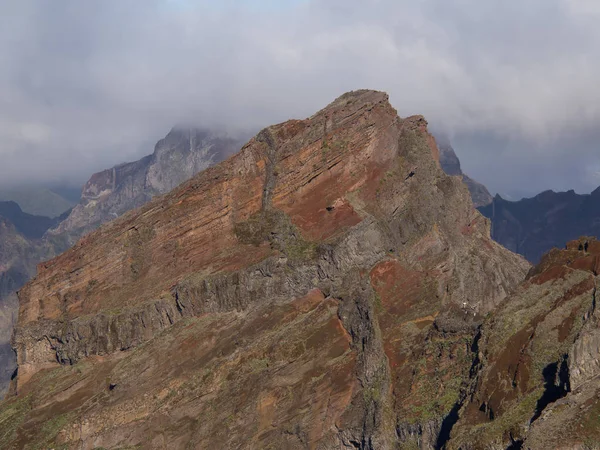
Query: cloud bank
(86,85)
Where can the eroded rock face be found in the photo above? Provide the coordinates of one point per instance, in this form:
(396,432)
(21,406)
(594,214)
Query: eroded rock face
(20,251)
(322,288)
(112,192)
(536,382)
(108,194)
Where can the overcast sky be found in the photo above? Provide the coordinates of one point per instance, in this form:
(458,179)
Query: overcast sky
(85,85)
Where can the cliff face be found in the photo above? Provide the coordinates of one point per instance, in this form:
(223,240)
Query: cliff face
(533,226)
(451,165)
(321,288)
(20,251)
(13,274)
(536,379)
(108,194)
(176,158)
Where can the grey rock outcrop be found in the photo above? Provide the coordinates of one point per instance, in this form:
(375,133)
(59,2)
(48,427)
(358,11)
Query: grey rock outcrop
(108,194)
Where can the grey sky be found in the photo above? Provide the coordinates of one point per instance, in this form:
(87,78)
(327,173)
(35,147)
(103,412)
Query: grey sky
(88,84)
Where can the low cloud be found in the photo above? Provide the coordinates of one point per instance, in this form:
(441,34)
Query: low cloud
(86,85)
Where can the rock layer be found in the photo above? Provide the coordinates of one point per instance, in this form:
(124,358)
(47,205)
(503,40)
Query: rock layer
(295,295)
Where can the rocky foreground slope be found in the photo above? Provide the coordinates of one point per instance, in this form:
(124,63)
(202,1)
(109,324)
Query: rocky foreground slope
(108,194)
(533,226)
(323,288)
(535,383)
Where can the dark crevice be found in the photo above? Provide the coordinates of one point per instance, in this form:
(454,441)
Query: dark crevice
(515,444)
(453,416)
(447,425)
(475,351)
(557,386)
(357,444)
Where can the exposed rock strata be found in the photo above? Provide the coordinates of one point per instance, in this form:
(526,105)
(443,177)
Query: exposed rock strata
(322,288)
(20,251)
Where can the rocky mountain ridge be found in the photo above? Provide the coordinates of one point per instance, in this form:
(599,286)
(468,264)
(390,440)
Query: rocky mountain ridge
(27,240)
(322,288)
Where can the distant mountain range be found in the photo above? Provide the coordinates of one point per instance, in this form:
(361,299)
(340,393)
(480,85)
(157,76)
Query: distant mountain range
(41,201)
(532,226)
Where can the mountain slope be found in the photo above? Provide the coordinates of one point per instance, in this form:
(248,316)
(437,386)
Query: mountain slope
(108,194)
(536,384)
(533,226)
(321,289)
(32,227)
(112,192)
(451,165)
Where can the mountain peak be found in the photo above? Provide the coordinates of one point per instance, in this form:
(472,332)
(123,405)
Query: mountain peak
(313,267)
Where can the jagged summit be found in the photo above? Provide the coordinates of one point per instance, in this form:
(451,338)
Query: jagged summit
(312,290)
(360,96)
(108,194)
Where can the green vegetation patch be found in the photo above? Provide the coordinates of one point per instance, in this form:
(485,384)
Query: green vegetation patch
(12,415)
(275,227)
(50,429)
